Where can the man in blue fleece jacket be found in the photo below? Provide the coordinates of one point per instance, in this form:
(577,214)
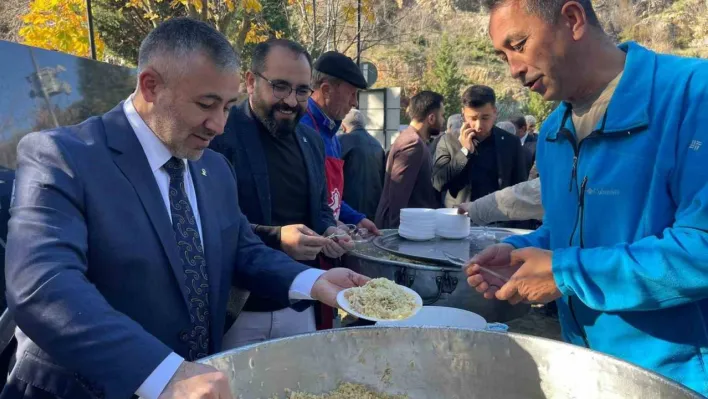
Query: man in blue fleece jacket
(622,163)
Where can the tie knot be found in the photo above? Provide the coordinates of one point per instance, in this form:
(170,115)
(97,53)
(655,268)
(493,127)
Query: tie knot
(175,168)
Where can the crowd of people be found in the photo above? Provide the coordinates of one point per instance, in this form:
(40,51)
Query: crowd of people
(183,223)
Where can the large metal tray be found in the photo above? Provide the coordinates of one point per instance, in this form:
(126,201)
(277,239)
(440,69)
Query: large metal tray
(433,250)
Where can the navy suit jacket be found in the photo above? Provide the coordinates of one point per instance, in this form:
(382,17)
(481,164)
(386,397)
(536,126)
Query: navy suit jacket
(242,146)
(93,271)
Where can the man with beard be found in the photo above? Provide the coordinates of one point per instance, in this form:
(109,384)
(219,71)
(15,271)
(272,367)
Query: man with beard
(126,235)
(408,181)
(336,81)
(482,158)
(624,184)
(280,169)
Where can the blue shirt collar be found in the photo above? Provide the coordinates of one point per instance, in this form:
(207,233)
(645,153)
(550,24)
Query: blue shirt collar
(325,123)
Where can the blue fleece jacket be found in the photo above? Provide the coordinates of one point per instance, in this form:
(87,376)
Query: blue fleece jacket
(328,130)
(627,219)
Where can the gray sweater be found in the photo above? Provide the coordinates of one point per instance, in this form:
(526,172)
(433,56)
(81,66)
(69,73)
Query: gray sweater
(519,202)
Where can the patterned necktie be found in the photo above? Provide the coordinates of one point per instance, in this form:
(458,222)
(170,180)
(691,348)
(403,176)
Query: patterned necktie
(191,253)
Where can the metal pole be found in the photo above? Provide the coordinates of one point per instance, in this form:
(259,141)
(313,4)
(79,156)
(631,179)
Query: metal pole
(358,33)
(92,42)
(42,89)
(314,25)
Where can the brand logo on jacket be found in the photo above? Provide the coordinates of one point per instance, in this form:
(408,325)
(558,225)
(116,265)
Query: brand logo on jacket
(335,203)
(695,145)
(606,192)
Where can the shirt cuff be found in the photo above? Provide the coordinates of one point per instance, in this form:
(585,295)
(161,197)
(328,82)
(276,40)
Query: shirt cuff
(301,288)
(465,151)
(160,377)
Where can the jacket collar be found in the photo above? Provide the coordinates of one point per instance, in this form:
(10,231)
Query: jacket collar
(247,129)
(628,110)
(129,155)
(322,121)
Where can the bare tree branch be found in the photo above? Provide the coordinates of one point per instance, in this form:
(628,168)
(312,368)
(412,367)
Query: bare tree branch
(205,10)
(243,32)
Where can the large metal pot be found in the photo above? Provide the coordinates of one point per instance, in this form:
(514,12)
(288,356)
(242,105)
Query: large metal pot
(438,285)
(434,363)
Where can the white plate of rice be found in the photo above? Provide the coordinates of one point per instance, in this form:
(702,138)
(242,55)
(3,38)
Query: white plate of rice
(380,300)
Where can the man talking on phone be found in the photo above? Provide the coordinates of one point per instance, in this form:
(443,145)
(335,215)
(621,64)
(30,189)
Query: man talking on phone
(483,159)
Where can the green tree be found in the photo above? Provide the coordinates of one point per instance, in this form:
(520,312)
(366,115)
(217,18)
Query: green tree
(539,107)
(275,23)
(444,76)
(124,23)
(124,28)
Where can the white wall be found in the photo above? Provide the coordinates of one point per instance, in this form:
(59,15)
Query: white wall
(371,104)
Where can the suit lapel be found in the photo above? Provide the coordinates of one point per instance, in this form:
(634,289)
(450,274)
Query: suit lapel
(211,233)
(253,148)
(315,194)
(130,157)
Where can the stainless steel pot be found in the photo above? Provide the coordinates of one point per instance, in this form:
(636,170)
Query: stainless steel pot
(434,363)
(438,285)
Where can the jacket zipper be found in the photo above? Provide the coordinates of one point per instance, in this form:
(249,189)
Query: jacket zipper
(581,192)
(578,218)
(581,215)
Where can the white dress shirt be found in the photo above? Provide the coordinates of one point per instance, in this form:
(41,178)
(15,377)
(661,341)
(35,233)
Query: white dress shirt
(157,155)
(523,139)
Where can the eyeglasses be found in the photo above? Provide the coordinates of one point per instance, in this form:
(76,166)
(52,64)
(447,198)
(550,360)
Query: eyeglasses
(282,90)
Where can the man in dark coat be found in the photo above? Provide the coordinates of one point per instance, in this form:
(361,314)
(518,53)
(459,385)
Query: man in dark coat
(279,165)
(483,158)
(528,139)
(364,165)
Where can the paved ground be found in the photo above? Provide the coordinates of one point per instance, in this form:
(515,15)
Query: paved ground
(536,323)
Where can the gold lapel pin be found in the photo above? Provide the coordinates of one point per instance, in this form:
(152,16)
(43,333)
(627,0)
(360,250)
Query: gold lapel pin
(204,172)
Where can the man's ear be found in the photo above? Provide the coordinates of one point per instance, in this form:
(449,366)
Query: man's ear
(250,82)
(150,82)
(326,89)
(431,119)
(573,16)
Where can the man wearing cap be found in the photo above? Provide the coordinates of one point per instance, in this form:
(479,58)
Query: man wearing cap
(336,80)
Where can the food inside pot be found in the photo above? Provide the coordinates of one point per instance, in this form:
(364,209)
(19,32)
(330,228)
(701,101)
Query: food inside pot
(347,390)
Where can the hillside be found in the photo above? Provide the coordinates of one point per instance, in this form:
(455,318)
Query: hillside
(678,27)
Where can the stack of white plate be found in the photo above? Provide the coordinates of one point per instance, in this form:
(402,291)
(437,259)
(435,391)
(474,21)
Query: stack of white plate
(417,224)
(449,224)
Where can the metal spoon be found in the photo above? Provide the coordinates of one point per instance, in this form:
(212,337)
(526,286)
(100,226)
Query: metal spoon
(462,263)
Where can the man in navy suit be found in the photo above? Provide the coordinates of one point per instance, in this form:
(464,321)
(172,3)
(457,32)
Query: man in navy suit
(280,169)
(126,236)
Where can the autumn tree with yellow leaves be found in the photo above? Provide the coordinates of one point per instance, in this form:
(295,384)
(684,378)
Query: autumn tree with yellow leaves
(60,25)
(121,24)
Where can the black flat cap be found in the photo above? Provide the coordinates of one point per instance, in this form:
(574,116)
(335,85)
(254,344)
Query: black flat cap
(340,66)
